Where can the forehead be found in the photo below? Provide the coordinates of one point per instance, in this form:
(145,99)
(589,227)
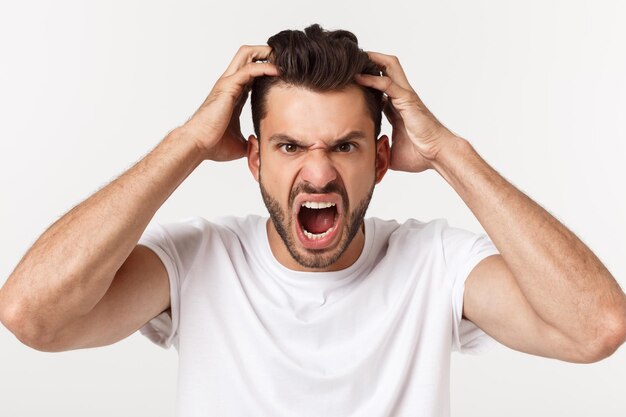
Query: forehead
(310,115)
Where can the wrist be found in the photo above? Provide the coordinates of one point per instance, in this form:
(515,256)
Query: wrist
(198,137)
(454,147)
(185,137)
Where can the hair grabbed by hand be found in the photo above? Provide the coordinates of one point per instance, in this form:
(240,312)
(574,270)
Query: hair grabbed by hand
(319,60)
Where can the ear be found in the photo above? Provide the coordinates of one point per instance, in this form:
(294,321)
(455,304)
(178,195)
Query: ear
(383,156)
(253,156)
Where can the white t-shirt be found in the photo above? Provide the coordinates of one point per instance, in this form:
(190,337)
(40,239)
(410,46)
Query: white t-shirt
(255,338)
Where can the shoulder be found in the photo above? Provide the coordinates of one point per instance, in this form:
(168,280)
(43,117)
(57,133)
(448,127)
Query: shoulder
(196,230)
(411,240)
(238,227)
(410,229)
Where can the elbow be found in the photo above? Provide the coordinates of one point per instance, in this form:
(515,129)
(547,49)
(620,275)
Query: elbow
(608,338)
(27,330)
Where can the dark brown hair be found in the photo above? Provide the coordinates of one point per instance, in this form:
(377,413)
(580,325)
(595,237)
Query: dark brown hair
(319,60)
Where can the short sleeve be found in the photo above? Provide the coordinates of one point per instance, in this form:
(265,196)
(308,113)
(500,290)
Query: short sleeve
(463,250)
(163,328)
(177,245)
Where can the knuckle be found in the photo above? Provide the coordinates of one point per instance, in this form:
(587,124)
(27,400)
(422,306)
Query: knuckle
(251,66)
(247,68)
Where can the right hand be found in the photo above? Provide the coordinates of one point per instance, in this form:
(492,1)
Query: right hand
(215,125)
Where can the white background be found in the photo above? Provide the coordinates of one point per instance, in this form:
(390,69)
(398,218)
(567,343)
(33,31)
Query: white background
(88,88)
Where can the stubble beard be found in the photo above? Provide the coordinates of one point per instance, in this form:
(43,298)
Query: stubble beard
(315,258)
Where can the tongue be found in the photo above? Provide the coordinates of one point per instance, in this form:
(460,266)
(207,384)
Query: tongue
(317,220)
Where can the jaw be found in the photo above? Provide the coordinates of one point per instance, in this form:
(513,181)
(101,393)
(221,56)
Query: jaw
(295,250)
(294,254)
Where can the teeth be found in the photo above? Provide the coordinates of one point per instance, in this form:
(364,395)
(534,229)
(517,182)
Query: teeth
(317,236)
(317,205)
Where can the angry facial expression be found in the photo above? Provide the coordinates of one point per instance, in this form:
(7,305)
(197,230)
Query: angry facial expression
(317,164)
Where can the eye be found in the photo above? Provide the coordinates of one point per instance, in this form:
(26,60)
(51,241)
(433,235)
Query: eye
(288,147)
(345,147)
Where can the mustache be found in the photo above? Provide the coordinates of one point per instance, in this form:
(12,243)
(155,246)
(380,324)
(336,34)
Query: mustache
(331,187)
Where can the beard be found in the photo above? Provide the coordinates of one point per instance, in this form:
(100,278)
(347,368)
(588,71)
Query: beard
(283,223)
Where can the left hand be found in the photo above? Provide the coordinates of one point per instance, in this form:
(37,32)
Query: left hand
(417,136)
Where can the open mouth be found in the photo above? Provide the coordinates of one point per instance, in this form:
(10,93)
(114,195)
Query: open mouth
(318,220)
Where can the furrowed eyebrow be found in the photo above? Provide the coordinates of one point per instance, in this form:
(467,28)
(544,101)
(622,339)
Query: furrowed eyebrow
(354,135)
(281,137)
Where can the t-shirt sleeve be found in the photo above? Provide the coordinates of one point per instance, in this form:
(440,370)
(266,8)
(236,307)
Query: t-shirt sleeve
(163,329)
(463,250)
(176,244)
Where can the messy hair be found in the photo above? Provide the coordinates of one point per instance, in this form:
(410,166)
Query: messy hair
(318,60)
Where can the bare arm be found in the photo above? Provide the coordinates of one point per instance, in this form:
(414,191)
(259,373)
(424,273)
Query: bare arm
(78,279)
(580,309)
(71,266)
(547,293)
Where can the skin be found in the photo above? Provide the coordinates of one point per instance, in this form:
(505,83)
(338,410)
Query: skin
(315,162)
(85,282)
(547,293)
(78,286)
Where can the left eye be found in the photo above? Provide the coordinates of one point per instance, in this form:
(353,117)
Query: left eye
(345,147)
(289,147)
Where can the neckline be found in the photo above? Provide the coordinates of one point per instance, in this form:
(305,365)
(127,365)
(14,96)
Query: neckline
(313,278)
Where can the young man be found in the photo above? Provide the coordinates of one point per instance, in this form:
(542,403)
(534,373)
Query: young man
(316,310)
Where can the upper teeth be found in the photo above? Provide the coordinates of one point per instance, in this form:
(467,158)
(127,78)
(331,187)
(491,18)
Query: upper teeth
(317,205)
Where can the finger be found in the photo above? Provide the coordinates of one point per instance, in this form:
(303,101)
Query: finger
(251,70)
(238,85)
(246,54)
(382,83)
(392,67)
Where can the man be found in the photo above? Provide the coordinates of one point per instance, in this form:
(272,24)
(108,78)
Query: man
(317,310)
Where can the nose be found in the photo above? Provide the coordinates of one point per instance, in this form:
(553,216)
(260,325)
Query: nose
(318,168)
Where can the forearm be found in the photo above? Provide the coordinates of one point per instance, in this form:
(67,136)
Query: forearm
(70,267)
(565,283)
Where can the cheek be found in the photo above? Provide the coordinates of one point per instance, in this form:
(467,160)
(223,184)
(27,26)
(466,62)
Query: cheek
(277,179)
(358,183)
(361,188)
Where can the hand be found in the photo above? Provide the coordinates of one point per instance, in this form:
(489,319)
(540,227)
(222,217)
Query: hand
(417,136)
(215,125)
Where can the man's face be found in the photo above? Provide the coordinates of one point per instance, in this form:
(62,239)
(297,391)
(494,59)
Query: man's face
(317,166)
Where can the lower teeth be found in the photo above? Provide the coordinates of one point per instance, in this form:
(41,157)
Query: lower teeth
(315,236)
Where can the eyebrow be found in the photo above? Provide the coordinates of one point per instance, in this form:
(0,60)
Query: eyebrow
(354,135)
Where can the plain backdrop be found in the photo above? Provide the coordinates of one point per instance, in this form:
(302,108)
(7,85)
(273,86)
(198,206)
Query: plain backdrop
(88,88)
